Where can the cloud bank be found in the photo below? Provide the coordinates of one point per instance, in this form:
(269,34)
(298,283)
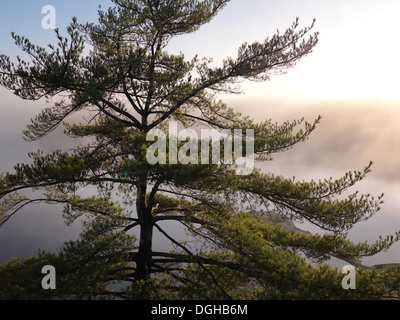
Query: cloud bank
(351,133)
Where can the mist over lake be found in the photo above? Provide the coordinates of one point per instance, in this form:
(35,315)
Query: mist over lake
(351,134)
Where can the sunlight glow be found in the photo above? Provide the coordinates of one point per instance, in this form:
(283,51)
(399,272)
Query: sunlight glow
(357,60)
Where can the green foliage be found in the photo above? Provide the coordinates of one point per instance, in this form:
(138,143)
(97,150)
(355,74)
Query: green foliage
(89,268)
(127,84)
(20,278)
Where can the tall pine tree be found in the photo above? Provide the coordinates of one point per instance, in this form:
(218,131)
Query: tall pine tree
(125,87)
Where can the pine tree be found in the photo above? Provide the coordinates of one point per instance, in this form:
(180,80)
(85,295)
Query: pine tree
(127,86)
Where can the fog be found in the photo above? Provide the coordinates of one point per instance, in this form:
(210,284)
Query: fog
(351,134)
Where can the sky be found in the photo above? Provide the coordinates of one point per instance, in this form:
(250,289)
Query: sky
(351,79)
(356,56)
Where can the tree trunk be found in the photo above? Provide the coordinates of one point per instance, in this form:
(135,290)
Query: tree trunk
(144,256)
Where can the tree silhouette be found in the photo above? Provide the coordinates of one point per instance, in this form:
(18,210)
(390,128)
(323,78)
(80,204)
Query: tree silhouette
(126,86)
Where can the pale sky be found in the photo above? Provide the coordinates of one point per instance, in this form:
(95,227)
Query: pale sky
(356,56)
